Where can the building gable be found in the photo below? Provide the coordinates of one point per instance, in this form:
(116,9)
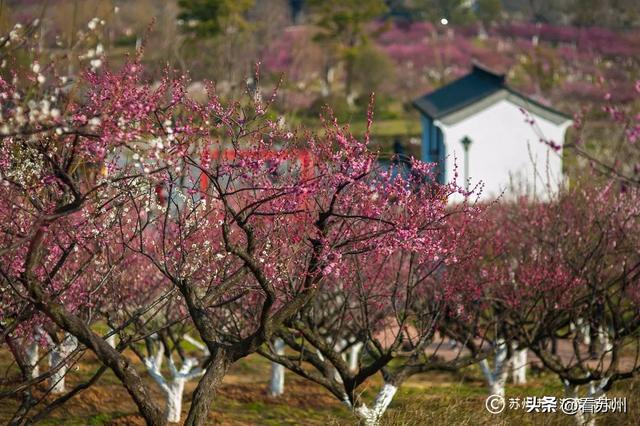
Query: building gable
(529,105)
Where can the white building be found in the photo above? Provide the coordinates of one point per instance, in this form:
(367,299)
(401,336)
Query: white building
(502,132)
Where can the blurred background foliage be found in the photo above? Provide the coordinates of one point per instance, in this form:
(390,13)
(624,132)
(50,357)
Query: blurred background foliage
(572,54)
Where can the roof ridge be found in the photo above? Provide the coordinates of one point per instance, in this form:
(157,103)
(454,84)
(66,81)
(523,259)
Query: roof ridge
(478,67)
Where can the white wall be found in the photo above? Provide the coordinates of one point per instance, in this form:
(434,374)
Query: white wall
(506,153)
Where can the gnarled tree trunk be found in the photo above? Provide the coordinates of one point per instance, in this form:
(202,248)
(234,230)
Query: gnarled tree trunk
(73,325)
(207,388)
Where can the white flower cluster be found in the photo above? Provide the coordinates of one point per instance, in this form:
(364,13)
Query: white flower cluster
(169,130)
(42,111)
(40,78)
(35,113)
(26,164)
(158,144)
(93,123)
(93,24)
(94,55)
(14,36)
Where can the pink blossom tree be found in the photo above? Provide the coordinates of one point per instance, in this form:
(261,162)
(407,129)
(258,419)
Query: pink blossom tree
(558,272)
(241,218)
(582,267)
(381,311)
(64,186)
(251,234)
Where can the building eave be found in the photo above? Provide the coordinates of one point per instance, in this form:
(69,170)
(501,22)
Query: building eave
(506,93)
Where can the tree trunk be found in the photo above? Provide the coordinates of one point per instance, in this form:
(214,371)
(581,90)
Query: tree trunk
(173,388)
(497,378)
(354,355)
(595,391)
(27,400)
(197,344)
(327,81)
(603,339)
(519,365)
(497,388)
(75,326)
(119,364)
(348,83)
(207,387)
(276,385)
(174,400)
(371,416)
(579,418)
(584,331)
(111,340)
(32,356)
(58,360)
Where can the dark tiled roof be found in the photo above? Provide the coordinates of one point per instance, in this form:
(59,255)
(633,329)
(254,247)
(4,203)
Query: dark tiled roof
(473,87)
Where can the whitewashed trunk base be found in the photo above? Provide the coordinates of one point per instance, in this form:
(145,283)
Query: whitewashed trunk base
(594,391)
(58,356)
(174,400)
(519,366)
(174,387)
(497,377)
(111,340)
(32,359)
(354,356)
(276,384)
(603,340)
(584,331)
(371,416)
